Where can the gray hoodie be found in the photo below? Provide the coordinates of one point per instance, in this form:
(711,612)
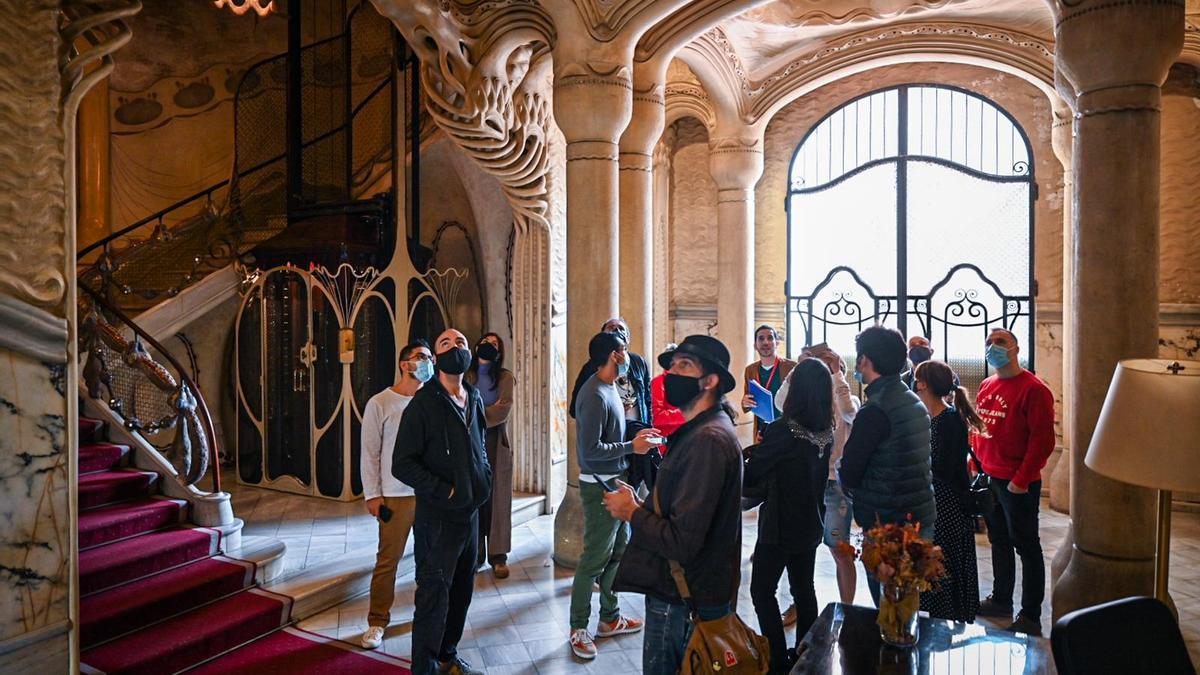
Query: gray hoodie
(600,429)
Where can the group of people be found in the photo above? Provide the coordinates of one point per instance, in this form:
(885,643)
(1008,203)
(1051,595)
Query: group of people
(663,482)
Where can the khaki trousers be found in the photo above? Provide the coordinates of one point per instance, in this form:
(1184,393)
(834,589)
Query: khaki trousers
(393,535)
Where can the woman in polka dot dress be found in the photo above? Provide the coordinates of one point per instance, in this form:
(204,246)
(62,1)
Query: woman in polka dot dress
(957,594)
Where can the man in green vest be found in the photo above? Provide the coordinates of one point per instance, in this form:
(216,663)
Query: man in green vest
(885,468)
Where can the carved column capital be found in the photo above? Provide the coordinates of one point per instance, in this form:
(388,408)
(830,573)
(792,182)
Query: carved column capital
(735,162)
(593,104)
(1062,133)
(1115,55)
(645,128)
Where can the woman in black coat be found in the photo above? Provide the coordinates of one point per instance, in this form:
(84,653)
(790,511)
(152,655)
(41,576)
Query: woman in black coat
(788,469)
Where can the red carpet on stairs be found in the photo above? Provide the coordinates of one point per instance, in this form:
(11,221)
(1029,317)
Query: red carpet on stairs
(157,596)
(293,650)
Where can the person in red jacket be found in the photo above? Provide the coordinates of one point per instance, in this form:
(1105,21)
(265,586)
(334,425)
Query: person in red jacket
(666,417)
(1018,412)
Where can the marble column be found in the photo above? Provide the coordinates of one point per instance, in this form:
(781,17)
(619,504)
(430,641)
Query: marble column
(1062,134)
(736,164)
(593,103)
(637,214)
(1114,304)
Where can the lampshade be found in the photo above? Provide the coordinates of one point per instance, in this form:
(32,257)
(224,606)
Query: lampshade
(1149,429)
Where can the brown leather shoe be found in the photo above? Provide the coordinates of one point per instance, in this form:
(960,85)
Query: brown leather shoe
(500,570)
(789,616)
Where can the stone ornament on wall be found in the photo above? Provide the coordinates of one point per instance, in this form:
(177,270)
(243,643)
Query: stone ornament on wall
(715,53)
(485,73)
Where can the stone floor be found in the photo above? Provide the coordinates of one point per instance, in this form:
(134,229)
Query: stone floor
(314,530)
(519,625)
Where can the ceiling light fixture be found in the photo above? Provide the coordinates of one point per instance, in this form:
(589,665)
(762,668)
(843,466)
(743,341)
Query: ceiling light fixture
(240,7)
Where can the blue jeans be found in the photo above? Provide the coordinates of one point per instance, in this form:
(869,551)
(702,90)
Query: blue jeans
(668,629)
(1013,531)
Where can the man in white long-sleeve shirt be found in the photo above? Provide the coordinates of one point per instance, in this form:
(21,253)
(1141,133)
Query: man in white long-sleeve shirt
(393,503)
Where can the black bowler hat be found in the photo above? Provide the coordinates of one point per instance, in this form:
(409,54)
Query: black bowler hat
(708,349)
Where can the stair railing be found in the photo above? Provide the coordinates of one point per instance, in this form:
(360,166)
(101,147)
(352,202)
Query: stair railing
(149,397)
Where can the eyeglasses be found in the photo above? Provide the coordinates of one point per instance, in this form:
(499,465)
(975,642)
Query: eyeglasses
(420,356)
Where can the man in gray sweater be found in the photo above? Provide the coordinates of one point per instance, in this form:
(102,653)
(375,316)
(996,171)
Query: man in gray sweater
(603,454)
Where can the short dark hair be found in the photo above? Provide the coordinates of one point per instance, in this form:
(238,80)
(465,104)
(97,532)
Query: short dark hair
(407,351)
(809,401)
(766,326)
(885,347)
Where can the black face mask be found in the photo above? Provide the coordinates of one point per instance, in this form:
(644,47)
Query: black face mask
(487,351)
(681,390)
(454,361)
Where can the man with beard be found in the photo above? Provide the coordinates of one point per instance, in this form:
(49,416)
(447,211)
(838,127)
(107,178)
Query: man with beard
(769,370)
(694,517)
(440,453)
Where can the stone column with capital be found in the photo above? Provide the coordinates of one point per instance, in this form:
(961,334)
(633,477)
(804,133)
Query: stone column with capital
(637,213)
(736,164)
(1062,133)
(593,103)
(1114,297)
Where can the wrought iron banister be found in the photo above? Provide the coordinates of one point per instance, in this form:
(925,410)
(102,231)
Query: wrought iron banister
(123,366)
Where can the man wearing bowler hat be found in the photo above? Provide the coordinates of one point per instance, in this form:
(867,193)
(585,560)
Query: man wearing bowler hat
(698,518)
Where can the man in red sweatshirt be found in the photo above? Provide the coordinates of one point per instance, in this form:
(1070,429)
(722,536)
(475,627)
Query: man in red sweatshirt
(1018,411)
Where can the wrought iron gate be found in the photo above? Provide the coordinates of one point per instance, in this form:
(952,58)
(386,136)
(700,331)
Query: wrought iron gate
(938,181)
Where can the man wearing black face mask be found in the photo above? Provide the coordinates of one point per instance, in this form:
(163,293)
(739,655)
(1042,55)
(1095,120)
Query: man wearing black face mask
(697,519)
(440,452)
(919,351)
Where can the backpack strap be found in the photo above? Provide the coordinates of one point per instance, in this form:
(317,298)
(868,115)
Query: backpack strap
(681,584)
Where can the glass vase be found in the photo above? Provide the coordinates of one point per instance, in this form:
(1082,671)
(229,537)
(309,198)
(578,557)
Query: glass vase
(897,621)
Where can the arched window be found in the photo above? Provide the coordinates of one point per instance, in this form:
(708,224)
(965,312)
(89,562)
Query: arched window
(913,207)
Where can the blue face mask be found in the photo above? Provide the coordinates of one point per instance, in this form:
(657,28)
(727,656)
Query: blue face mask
(622,368)
(858,377)
(424,371)
(997,356)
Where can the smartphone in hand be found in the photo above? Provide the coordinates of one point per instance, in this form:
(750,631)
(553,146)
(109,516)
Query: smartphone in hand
(385,514)
(607,485)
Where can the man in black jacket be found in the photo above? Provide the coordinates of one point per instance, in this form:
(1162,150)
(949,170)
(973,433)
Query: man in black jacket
(635,394)
(440,452)
(698,520)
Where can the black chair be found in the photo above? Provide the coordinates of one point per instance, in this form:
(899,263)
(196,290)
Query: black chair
(1123,637)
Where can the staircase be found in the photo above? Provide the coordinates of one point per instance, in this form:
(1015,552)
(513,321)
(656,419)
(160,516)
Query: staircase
(156,595)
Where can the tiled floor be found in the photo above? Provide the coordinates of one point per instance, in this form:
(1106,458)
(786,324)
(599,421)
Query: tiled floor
(519,625)
(315,530)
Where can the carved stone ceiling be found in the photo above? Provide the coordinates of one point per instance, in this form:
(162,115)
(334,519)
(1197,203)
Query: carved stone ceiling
(767,37)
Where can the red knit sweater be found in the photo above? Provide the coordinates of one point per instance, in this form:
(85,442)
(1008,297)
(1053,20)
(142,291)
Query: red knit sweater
(1019,415)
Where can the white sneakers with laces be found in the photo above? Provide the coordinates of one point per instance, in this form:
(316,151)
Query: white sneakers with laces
(372,638)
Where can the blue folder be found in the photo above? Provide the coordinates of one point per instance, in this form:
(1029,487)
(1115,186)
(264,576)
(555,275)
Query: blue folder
(764,402)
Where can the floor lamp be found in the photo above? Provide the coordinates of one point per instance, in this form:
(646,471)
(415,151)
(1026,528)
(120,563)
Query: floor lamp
(1148,434)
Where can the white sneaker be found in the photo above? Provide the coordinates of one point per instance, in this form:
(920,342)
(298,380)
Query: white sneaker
(373,637)
(582,645)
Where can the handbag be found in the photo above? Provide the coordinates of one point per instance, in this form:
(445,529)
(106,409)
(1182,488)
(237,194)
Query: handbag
(725,645)
(979,500)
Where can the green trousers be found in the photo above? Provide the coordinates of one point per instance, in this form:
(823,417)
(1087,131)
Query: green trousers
(604,540)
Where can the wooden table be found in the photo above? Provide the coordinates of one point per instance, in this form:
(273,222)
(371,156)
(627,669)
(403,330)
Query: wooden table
(845,641)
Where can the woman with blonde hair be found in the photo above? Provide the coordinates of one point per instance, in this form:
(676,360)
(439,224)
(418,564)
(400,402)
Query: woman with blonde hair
(957,594)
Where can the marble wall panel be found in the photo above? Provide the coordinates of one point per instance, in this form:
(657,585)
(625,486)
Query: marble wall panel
(35,534)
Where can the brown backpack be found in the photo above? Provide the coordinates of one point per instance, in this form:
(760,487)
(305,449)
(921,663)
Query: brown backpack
(725,645)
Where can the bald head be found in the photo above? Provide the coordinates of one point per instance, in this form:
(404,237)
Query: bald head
(449,339)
